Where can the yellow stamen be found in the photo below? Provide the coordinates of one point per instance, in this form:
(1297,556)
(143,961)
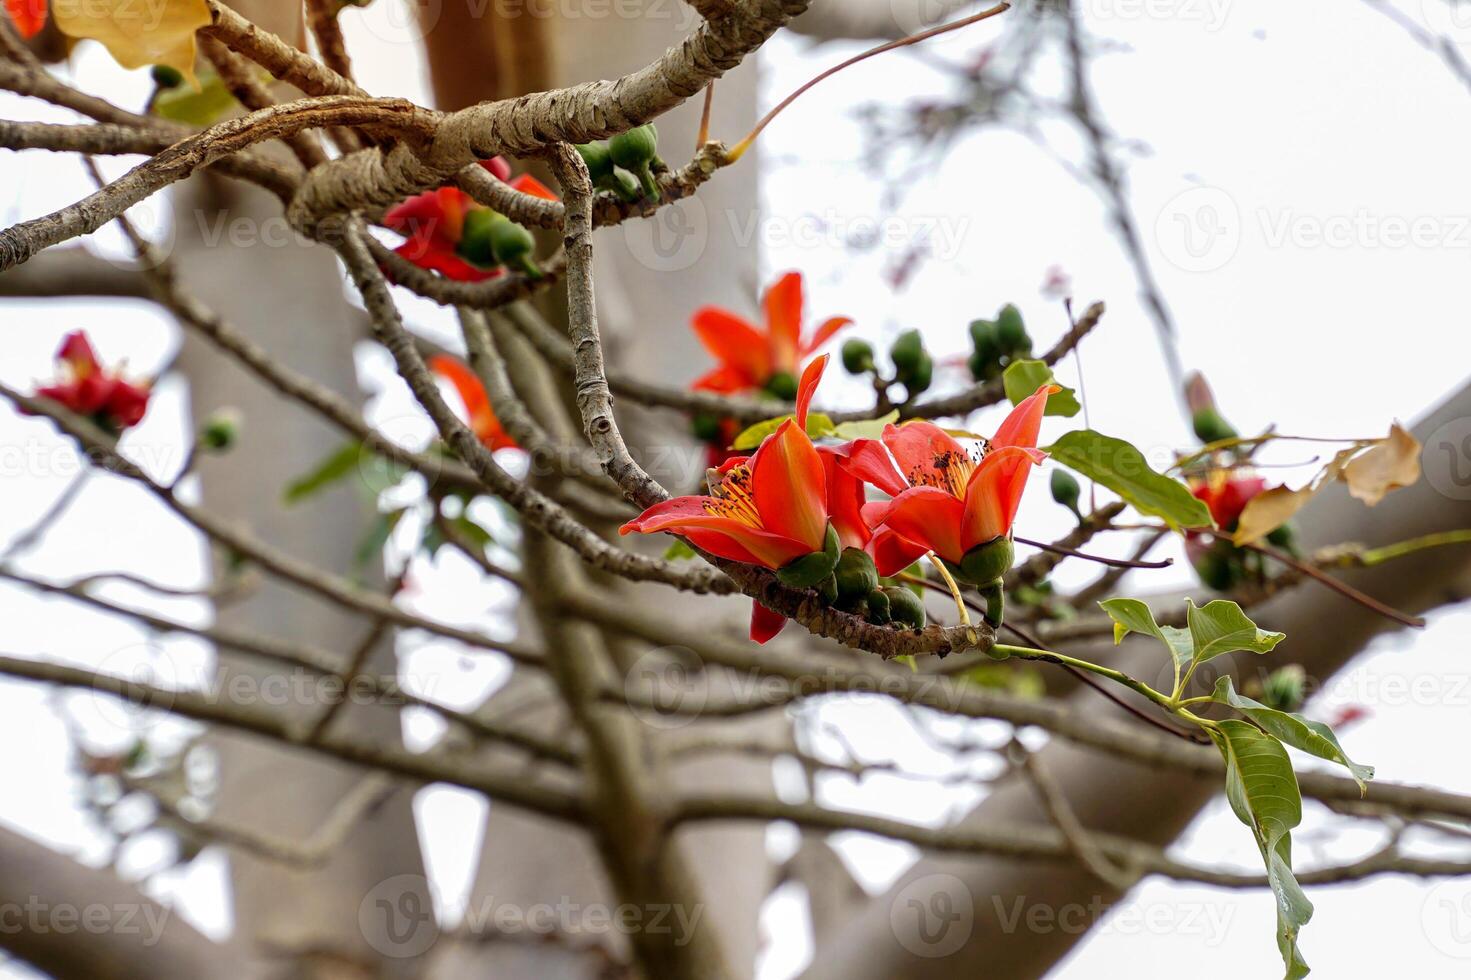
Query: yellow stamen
(733,498)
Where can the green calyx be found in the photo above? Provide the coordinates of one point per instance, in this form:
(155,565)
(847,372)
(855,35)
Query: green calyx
(905,608)
(783,385)
(811,570)
(166,76)
(877,603)
(475,237)
(1011,332)
(986,563)
(857,356)
(599,160)
(855,574)
(705,427)
(620,182)
(637,151)
(513,247)
(1210,426)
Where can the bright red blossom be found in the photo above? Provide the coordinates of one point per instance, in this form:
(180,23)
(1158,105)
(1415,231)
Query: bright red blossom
(482,420)
(1227,496)
(767,509)
(29,15)
(945,499)
(749,356)
(433,223)
(88,389)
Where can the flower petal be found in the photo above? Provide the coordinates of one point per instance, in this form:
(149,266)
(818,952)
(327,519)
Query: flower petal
(1020,428)
(528,184)
(723,536)
(825,333)
(427,252)
(995,493)
(733,342)
(764,623)
(783,302)
(891,552)
(481,417)
(807,387)
(725,380)
(869,461)
(927,455)
(76,353)
(498,167)
(927,516)
(29,16)
(789,487)
(845,500)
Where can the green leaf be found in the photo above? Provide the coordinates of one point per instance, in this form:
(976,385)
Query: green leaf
(679,551)
(1023,378)
(818,425)
(1133,616)
(1262,790)
(865,429)
(374,540)
(202,108)
(1221,627)
(1310,736)
(1122,468)
(337,466)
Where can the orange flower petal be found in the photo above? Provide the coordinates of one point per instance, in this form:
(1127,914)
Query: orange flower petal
(733,342)
(995,493)
(789,486)
(29,16)
(869,461)
(825,333)
(1020,428)
(927,455)
(807,387)
(528,184)
(723,536)
(930,517)
(783,304)
(765,624)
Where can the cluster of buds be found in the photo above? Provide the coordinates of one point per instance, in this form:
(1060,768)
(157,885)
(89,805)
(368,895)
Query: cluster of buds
(914,366)
(626,163)
(996,343)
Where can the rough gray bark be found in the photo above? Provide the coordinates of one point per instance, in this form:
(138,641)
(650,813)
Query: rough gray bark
(1324,630)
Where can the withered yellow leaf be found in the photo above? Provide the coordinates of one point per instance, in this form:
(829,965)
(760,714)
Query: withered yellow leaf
(137,33)
(1389,464)
(1269,510)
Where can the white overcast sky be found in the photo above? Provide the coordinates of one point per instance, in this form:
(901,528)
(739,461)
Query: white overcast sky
(1309,135)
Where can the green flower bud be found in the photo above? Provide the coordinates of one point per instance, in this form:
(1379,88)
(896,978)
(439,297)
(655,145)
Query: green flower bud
(810,570)
(599,160)
(706,427)
(621,182)
(1066,491)
(220,430)
(905,608)
(1211,427)
(635,151)
(857,356)
(783,385)
(986,563)
(513,246)
(855,574)
(918,380)
(828,589)
(977,364)
(166,76)
(475,237)
(1219,567)
(1011,332)
(878,606)
(906,352)
(1285,688)
(984,339)
(995,598)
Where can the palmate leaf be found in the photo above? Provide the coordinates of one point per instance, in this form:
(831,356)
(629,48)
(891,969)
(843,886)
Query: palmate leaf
(1262,790)
(1301,733)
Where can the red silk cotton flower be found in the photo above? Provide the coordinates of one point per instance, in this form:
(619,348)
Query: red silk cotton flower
(945,499)
(768,509)
(434,225)
(29,15)
(1227,496)
(752,358)
(482,420)
(88,389)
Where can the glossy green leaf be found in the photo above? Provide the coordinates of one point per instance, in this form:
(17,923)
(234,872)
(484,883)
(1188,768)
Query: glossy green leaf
(1023,378)
(337,466)
(865,429)
(1301,733)
(1262,790)
(374,540)
(818,425)
(1221,627)
(1121,468)
(1133,616)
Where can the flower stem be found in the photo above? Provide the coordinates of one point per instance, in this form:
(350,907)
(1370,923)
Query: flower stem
(954,589)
